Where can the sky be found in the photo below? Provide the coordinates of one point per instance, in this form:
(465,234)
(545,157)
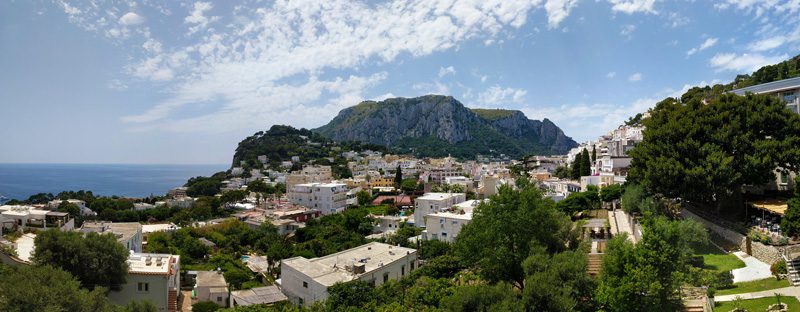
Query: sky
(182,82)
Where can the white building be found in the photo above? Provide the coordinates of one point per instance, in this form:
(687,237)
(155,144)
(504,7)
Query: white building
(328,198)
(434,202)
(153,277)
(20,217)
(211,286)
(306,281)
(445,226)
(129,234)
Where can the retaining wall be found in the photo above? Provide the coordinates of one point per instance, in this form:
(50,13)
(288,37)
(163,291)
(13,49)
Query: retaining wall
(767,254)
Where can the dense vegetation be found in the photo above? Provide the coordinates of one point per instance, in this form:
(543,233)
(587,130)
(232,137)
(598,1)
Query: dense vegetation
(708,152)
(281,143)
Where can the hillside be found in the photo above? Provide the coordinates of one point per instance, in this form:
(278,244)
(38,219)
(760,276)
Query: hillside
(280,143)
(435,125)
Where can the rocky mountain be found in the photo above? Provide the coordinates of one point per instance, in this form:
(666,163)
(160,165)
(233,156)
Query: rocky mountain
(435,125)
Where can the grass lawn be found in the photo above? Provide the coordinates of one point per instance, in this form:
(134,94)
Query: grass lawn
(753,286)
(760,304)
(716,259)
(377,210)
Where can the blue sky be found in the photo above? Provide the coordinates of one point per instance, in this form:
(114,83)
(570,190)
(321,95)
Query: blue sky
(183,82)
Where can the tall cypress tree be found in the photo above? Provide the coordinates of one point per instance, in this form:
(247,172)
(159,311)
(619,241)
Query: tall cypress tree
(594,153)
(586,164)
(398,177)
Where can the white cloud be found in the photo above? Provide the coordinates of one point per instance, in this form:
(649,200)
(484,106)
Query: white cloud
(444,71)
(197,17)
(130,19)
(558,10)
(767,44)
(116,84)
(635,77)
(710,42)
(496,95)
(627,31)
(677,20)
(744,63)
(611,75)
(633,6)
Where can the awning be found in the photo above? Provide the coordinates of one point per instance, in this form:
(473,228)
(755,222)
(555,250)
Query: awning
(772,205)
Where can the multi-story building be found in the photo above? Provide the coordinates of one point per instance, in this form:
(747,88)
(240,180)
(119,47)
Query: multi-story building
(434,202)
(614,169)
(309,174)
(129,234)
(306,281)
(445,226)
(328,198)
(381,182)
(152,277)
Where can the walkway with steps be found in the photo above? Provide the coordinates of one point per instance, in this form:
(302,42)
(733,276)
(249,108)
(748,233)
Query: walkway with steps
(595,264)
(792,268)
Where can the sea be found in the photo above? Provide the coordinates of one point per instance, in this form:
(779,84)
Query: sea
(19,181)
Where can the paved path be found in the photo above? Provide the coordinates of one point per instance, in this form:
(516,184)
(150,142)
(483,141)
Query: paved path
(793,291)
(755,269)
(623,226)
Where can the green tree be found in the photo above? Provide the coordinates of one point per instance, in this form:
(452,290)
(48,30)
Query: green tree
(707,152)
(353,294)
(557,282)
(586,163)
(70,251)
(73,209)
(562,172)
(205,306)
(499,297)
(632,197)
(233,196)
(611,193)
(579,201)
(513,221)
(398,177)
(363,197)
(790,224)
(408,185)
(44,288)
(647,277)
(594,153)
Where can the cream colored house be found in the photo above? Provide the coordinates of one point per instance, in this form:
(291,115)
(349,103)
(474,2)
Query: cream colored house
(152,277)
(306,281)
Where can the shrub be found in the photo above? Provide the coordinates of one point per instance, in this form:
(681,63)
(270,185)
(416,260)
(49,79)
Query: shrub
(205,306)
(778,268)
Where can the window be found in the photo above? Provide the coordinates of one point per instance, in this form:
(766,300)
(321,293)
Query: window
(219,299)
(305,284)
(444,235)
(403,270)
(385,277)
(300,300)
(412,265)
(784,178)
(143,287)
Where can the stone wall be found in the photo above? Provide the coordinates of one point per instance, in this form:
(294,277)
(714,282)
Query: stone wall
(765,253)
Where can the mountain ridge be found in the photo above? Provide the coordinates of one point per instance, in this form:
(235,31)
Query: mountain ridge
(437,125)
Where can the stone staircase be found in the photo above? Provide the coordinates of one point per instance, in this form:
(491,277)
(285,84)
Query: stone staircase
(793,269)
(172,300)
(594,264)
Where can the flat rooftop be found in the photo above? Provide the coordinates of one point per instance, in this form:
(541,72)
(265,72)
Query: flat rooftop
(330,269)
(210,279)
(436,196)
(260,295)
(154,264)
(123,230)
(462,210)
